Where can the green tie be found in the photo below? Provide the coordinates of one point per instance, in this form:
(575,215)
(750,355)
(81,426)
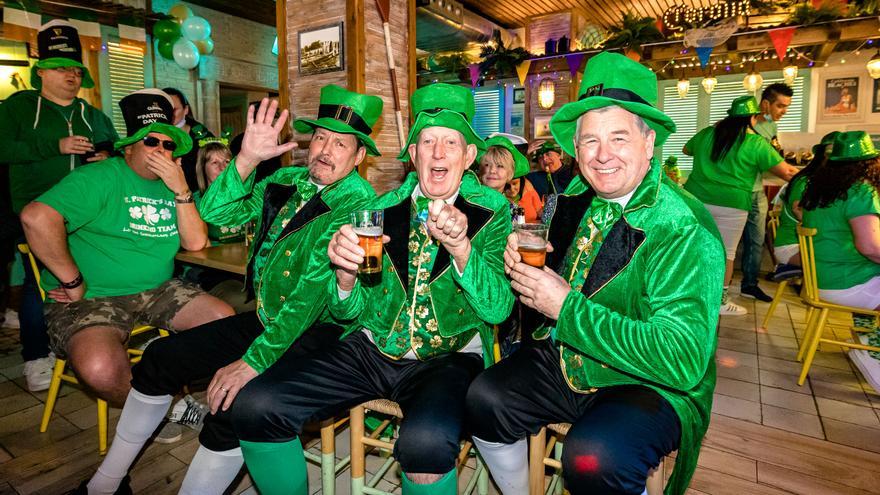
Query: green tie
(422,208)
(306,190)
(604,213)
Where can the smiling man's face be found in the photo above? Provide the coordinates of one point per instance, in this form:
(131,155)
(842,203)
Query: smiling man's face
(441,155)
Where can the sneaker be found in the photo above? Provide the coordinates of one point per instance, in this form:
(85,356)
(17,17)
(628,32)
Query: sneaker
(10,319)
(38,373)
(169,433)
(785,271)
(732,309)
(868,366)
(188,412)
(755,293)
(124,488)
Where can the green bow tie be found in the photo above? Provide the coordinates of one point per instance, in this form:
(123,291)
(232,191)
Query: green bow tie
(422,208)
(604,213)
(306,190)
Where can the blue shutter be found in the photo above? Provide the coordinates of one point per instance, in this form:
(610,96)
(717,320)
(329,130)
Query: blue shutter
(490,111)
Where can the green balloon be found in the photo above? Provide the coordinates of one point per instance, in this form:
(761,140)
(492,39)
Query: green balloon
(166,30)
(166,49)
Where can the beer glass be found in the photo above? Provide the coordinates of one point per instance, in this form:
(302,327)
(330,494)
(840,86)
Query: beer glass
(531,240)
(368,225)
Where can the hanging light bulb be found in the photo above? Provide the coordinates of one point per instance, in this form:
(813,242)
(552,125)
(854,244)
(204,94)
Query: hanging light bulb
(709,84)
(753,81)
(684,85)
(546,94)
(873,65)
(789,73)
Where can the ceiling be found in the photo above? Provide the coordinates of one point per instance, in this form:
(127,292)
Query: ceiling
(515,13)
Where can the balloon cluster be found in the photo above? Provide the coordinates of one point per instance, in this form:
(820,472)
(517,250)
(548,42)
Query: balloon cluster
(184,37)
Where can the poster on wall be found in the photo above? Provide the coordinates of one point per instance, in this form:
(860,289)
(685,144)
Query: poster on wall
(840,99)
(875,104)
(321,50)
(541,129)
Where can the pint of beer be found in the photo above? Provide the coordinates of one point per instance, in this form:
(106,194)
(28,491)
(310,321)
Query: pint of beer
(531,239)
(367,224)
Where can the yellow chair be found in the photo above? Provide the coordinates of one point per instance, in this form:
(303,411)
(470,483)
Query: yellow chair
(772,225)
(818,316)
(59,375)
(548,453)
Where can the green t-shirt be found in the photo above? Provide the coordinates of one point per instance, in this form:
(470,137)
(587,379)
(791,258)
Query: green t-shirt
(786,233)
(221,234)
(121,228)
(839,265)
(729,182)
(767,130)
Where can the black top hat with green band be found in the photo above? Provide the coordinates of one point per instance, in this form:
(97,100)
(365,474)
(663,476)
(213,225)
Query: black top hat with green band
(346,112)
(853,146)
(744,106)
(150,110)
(58,45)
(520,163)
(613,79)
(442,105)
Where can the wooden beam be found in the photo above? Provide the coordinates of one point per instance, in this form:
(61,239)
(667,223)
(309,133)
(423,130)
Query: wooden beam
(355,45)
(283,74)
(828,47)
(412,65)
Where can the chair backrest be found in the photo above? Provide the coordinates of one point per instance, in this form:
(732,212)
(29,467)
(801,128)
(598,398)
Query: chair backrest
(23,248)
(808,261)
(773,224)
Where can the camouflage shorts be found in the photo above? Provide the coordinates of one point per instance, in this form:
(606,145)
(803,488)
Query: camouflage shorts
(156,307)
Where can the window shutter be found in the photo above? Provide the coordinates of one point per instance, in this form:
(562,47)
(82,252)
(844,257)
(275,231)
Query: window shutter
(126,75)
(683,112)
(490,111)
(726,92)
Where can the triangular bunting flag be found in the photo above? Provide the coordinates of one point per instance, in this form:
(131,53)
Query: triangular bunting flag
(475,74)
(522,70)
(574,62)
(704,52)
(781,39)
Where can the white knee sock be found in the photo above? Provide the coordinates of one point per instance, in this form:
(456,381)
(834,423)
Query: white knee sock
(140,417)
(508,463)
(211,472)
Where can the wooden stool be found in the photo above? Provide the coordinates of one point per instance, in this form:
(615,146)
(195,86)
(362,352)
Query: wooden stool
(330,469)
(359,440)
(543,453)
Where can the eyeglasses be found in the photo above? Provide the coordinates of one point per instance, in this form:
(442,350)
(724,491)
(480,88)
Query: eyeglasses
(76,71)
(152,142)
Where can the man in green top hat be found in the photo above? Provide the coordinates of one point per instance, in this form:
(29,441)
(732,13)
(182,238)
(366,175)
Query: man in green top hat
(45,133)
(624,312)
(418,332)
(296,210)
(108,234)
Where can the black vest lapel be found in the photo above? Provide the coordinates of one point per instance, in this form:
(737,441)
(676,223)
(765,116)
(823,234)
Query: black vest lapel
(313,208)
(397,228)
(615,253)
(477,217)
(274,198)
(564,224)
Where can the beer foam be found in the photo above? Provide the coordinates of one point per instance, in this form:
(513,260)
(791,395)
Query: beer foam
(371,231)
(532,246)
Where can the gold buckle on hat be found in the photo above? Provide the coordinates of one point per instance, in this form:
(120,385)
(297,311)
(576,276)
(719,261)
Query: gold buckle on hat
(346,110)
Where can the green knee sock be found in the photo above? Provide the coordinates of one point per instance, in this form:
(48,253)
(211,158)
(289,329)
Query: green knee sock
(447,485)
(277,468)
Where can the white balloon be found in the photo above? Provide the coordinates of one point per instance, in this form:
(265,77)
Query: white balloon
(196,28)
(186,54)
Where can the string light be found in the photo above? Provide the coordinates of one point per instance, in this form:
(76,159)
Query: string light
(683,86)
(709,84)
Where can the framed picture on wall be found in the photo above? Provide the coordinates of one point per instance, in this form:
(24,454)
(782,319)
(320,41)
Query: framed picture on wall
(321,50)
(875,99)
(541,128)
(519,95)
(840,99)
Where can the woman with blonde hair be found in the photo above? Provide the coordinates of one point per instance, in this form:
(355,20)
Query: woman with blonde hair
(503,167)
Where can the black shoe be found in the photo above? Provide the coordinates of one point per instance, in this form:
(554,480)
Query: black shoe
(755,293)
(785,271)
(124,488)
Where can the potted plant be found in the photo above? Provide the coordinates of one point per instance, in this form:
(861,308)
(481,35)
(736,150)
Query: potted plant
(500,61)
(632,33)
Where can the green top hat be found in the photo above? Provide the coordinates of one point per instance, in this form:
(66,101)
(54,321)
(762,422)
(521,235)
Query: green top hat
(827,140)
(442,105)
(58,45)
(150,110)
(744,106)
(345,112)
(546,147)
(613,79)
(852,146)
(520,163)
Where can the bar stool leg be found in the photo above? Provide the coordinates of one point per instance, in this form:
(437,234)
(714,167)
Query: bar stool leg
(328,457)
(52,396)
(357,450)
(537,444)
(102,426)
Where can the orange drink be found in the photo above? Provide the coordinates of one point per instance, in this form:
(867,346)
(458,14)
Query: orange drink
(531,239)
(368,224)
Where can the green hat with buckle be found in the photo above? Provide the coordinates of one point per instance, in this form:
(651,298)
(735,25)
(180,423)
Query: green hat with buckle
(345,112)
(853,146)
(58,45)
(827,140)
(744,106)
(520,162)
(442,105)
(613,79)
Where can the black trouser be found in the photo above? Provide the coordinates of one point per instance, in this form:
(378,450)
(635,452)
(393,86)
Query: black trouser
(182,358)
(618,434)
(274,406)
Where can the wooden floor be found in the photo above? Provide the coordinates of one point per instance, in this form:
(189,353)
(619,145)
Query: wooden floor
(767,435)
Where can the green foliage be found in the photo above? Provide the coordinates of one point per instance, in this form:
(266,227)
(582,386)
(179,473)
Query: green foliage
(865,7)
(805,14)
(633,32)
(501,60)
(452,63)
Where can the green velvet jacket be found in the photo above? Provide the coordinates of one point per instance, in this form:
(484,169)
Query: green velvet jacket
(647,313)
(291,294)
(478,299)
